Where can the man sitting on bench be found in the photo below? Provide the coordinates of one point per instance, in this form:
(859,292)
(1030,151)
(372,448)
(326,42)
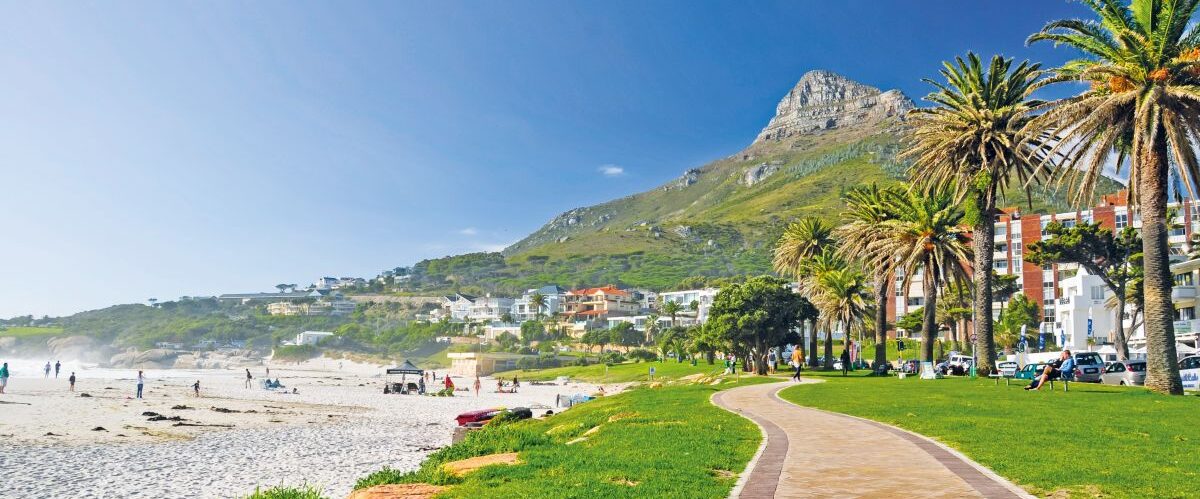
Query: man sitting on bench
(1053,370)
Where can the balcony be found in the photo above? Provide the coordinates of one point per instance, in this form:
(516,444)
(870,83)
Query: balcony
(1179,293)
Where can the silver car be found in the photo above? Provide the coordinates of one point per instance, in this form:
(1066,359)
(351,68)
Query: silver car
(1090,366)
(1007,368)
(1125,373)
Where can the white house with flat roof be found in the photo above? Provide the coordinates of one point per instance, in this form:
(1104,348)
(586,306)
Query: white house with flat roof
(312,337)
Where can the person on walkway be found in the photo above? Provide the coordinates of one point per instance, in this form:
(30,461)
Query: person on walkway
(845,362)
(268,371)
(57,366)
(3,377)
(771,361)
(797,362)
(72,381)
(141,379)
(47,369)
(1053,370)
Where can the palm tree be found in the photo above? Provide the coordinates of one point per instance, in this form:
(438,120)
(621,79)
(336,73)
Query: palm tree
(973,141)
(843,297)
(651,328)
(800,242)
(927,237)
(813,272)
(867,208)
(1142,60)
(537,301)
(671,308)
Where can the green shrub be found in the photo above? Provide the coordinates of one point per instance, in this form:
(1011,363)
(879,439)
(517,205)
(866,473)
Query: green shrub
(284,492)
(642,354)
(503,418)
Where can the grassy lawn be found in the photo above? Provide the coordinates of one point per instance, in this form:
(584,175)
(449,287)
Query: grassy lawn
(1094,441)
(619,373)
(28,331)
(650,442)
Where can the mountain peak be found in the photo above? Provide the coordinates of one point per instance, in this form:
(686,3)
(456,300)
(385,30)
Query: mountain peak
(824,100)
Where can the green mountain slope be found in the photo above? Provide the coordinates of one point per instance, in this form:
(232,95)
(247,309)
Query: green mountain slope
(722,219)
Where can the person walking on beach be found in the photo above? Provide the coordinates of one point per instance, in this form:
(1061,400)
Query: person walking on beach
(141,379)
(3,377)
(196,388)
(47,369)
(449,384)
(797,362)
(248,378)
(478,385)
(72,381)
(57,366)
(845,362)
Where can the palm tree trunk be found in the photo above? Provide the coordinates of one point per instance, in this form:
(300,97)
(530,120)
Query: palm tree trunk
(985,232)
(882,290)
(1162,370)
(812,344)
(828,348)
(1121,342)
(929,314)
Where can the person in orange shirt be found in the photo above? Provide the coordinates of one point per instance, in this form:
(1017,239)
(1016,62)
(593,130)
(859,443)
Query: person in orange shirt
(797,362)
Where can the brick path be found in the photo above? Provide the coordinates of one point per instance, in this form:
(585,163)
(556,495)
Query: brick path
(814,453)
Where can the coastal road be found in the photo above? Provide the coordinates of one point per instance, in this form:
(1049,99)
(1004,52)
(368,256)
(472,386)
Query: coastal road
(815,453)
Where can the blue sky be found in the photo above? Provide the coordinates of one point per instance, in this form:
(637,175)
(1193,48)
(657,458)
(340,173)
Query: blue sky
(161,149)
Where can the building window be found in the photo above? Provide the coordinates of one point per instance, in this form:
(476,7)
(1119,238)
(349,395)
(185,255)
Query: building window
(1048,315)
(1000,265)
(1044,224)
(1068,223)
(1017,263)
(1184,279)
(1098,292)
(916,301)
(1000,248)
(1122,220)
(1001,229)
(1048,293)
(1016,248)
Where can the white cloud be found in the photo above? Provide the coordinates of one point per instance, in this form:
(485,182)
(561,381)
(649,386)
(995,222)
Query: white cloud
(469,231)
(611,170)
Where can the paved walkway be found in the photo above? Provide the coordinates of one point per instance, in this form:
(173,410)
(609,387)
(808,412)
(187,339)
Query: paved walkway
(814,453)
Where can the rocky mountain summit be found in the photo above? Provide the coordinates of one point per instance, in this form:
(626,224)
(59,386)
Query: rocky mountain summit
(823,100)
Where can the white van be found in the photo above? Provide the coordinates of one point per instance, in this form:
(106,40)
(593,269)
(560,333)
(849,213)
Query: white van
(960,360)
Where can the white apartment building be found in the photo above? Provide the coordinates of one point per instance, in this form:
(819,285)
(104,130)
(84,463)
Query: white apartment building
(523,311)
(489,308)
(702,297)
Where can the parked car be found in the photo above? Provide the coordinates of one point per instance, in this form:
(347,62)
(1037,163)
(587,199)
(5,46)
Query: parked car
(1089,365)
(1007,368)
(912,366)
(1030,371)
(1125,373)
(1189,372)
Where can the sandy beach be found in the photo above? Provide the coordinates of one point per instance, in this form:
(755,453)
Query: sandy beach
(338,427)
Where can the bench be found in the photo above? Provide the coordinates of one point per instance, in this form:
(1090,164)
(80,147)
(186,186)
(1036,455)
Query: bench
(996,377)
